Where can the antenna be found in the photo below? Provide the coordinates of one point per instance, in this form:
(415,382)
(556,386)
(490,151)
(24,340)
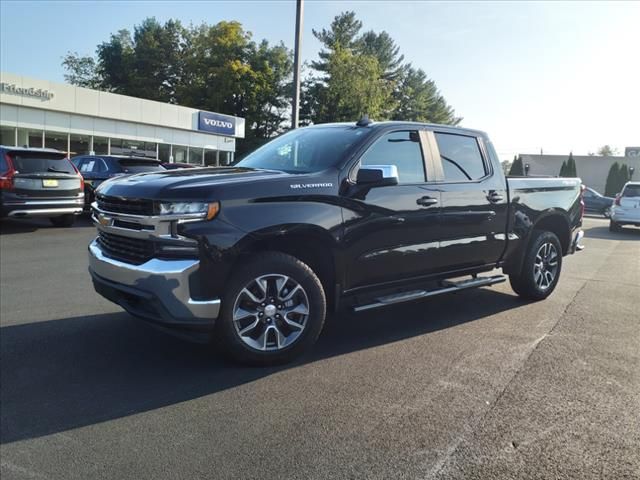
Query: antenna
(364,121)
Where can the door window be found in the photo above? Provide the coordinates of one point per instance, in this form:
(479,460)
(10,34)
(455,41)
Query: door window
(461,157)
(401,149)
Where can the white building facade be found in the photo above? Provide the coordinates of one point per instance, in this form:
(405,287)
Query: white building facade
(39,113)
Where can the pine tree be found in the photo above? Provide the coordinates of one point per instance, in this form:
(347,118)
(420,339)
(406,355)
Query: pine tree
(563,169)
(571,166)
(611,187)
(517,169)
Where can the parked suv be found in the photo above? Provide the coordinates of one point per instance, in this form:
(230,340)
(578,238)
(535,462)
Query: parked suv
(626,207)
(97,168)
(39,182)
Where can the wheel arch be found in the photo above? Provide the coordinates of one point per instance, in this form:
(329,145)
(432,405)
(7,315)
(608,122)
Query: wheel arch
(311,245)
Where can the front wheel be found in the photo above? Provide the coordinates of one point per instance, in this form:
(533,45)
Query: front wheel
(63,220)
(272,311)
(541,269)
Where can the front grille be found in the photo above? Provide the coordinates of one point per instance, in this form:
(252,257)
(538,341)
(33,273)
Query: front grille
(133,206)
(126,249)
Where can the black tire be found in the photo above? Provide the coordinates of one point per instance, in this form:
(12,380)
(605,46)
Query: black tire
(614,227)
(606,213)
(526,283)
(270,265)
(63,220)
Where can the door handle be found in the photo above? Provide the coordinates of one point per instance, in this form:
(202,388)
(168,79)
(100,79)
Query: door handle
(494,197)
(427,201)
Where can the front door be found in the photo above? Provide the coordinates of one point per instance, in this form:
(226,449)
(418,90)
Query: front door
(391,232)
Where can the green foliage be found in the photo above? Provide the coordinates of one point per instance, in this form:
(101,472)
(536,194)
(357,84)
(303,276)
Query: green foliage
(371,63)
(568,168)
(607,151)
(517,169)
(220,68)
(81,71)
(617,177)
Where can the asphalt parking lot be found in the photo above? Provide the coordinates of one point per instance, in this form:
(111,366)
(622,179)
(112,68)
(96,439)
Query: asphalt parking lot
(473,385)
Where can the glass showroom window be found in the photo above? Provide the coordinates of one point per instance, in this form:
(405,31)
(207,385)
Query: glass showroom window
(29,138)
(211,158)
(179,154)
(195,155)
(101,145)
(57,140)
(8,136)
(79,144)
(164,152)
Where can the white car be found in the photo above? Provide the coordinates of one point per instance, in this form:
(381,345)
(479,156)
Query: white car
(626,207)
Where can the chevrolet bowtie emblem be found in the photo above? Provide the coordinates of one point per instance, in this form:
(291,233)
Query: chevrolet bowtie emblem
(104,220)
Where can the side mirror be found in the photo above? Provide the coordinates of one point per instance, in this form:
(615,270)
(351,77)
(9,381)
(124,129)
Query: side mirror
(377,176)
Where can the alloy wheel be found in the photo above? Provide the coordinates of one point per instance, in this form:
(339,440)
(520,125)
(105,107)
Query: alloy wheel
(545,266)
(270,312)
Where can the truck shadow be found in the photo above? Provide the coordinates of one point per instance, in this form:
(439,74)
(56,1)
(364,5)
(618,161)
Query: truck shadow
(9,226)
(63,374)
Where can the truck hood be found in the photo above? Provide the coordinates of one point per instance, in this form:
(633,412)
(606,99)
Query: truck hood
(186,184)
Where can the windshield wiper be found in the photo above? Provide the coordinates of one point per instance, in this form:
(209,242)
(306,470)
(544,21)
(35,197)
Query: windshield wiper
(54,169)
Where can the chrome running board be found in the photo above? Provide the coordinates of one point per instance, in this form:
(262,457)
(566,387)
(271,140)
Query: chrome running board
(447,287)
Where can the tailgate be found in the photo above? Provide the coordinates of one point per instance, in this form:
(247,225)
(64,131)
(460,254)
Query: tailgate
(46,184)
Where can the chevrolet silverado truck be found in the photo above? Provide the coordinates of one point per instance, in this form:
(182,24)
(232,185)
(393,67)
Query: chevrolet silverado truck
(337,216)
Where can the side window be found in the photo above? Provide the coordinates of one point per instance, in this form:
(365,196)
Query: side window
(461,157)
(86,164)
(401,149)
(588,193)
(4,166)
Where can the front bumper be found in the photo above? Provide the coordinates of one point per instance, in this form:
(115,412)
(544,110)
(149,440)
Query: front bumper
(157,291)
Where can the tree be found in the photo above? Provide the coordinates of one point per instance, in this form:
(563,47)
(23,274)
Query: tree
(517,169)
(418,99)
(208,67)
(568,168)
(607,151)
(353,87)
(612,186)
(400,91)
(81,71)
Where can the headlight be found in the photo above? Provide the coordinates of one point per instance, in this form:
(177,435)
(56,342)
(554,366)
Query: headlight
(210,210)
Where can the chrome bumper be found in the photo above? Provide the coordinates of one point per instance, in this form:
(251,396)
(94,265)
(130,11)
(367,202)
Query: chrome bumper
(157,290)
(575,244)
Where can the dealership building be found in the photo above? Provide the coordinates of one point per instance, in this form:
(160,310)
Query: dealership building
(39,113)
(592,169)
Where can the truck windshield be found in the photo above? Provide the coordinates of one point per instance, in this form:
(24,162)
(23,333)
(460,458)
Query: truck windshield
(305,150)
(631,191)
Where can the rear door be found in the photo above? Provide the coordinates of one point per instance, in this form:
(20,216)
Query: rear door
(474,201)
(44,174)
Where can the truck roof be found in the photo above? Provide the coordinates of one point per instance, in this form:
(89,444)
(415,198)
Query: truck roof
(401,123)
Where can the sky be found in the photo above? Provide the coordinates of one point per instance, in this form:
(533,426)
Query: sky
(550,76)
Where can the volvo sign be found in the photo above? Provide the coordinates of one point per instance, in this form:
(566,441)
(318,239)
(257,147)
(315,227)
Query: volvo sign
(633,152)
(216,123)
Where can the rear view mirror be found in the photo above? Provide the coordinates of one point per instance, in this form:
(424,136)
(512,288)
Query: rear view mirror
(377,175)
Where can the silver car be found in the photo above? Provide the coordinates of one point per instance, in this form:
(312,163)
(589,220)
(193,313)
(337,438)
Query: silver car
(626,207)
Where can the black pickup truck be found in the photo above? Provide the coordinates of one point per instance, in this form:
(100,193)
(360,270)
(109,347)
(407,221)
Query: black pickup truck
(356,216)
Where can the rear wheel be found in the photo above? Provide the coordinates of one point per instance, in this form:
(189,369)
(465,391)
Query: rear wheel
(272,311)
(541,269)
(607,212)
(614,227)
(63,220)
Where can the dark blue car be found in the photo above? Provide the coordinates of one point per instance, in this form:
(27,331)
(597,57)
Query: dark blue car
(595,202)
(95,169)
